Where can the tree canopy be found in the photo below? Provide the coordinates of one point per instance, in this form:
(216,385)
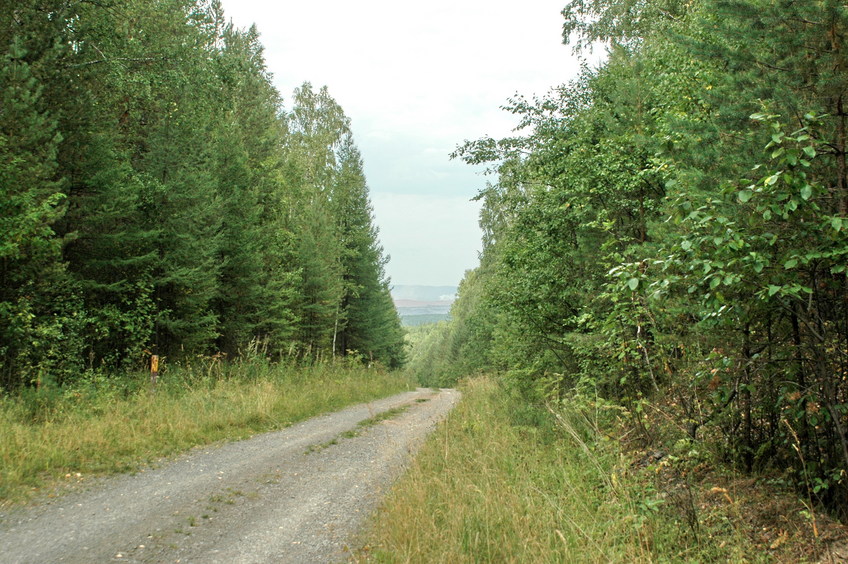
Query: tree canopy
(672,228)
(157,197)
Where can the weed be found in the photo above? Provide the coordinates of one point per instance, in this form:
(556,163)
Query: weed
(352,433)
(321,446)
(382,416)
(500,484)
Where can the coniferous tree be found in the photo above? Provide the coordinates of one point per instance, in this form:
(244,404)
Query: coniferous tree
(246,114)
(155,195)
(31,199)
(371,326)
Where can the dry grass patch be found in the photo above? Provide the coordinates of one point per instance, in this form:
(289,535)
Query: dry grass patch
(74,433)
(488,489)
(503,482)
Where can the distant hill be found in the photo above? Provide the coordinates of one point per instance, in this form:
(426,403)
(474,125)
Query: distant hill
(416,320)
(424,293)
(418,305)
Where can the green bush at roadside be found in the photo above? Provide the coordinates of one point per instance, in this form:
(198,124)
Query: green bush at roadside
(504,481)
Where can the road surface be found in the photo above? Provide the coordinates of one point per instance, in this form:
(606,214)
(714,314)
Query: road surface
(296,495)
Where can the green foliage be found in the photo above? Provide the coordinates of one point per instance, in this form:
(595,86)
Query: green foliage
(440,353)
(157,198)
(672,230)
(501,481)
(31,201)
(371,325)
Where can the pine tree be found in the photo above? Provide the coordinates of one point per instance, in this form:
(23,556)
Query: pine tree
(371,325)
(246,111)
(31,199)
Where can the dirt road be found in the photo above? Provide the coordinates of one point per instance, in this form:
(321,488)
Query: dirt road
(297,495)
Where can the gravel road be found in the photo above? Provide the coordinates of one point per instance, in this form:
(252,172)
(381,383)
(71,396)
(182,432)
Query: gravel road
(296,495)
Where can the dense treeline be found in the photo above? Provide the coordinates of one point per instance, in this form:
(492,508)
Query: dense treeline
(672,232)
(157,198)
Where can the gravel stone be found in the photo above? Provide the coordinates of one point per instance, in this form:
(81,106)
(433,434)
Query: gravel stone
(284,496)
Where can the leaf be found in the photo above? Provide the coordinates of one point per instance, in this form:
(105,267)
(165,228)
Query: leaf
(633,283)
(716,280)
(806,191)
(836,223)
(791,263)
(810,151)
(771,180)
(686,245)
(773,290)
(744,195)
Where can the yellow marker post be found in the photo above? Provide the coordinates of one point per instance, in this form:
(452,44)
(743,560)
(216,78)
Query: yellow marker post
(154,369)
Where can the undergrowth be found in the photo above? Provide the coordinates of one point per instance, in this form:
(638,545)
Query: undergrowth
(105,424)
(504,481)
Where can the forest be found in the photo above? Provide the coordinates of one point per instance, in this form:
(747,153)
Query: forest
(665,238)
(667,235)
(158,198)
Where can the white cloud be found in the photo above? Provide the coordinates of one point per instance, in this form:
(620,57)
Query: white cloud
(432,240)
(440,68)
(417,79)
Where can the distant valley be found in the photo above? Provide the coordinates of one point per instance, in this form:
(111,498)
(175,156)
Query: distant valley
(418,305)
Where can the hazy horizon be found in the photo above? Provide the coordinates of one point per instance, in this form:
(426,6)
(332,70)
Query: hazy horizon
(416,81)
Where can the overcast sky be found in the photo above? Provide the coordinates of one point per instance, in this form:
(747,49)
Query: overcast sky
(417,79)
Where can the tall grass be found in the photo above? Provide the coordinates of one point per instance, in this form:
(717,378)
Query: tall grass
(110,424)
(501,481)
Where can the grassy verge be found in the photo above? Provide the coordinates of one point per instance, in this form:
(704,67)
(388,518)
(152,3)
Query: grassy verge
(105,425)
(503,482)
